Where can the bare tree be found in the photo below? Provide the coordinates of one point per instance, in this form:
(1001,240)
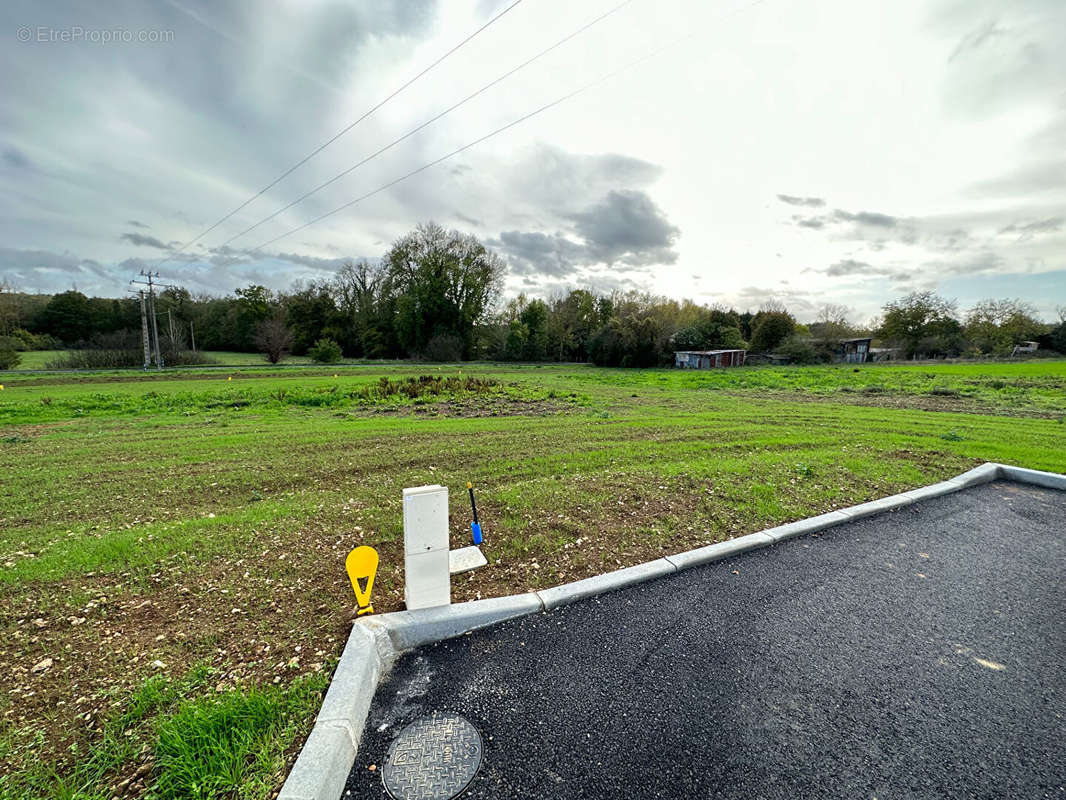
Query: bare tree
(273,338)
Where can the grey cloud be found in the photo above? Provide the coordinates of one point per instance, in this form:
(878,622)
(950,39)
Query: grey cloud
(534,252)
(552,178)
(849,266)
(14,157)
(628,227)
(142,240)
(798,301)
(314,262)
(468,220)
(1037,177)
(1028,230)
(1005,53)
(134,223)
(45,271)
(871,219)
(792,200)
(866,218)
(624,227)
(978,37)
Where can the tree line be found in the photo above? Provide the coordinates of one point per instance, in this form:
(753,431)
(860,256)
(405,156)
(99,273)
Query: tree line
(436,294)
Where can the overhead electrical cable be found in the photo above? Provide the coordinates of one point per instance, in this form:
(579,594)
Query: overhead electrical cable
(647,56)
(343,131)
(430,121)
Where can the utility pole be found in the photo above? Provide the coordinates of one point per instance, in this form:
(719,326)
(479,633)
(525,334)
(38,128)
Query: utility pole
(151,311)
(170,324)
(144,333)
(144,328)
(192,335)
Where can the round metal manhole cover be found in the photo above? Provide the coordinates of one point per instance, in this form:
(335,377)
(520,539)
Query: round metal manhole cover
(433,758)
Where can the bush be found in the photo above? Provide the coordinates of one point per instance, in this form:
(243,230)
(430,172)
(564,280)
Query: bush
(800,351)
(325,351)
(9,358)
(444,347)
(124,359)
(24,340)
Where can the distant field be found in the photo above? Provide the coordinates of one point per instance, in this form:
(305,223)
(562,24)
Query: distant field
(200,520)
(38,359)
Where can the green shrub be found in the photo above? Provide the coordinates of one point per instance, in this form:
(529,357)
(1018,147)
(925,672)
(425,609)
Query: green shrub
(325,351)
(444,348)
(9,357)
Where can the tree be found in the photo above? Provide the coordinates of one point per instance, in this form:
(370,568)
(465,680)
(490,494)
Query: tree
(571,322)
(1055,339)
(310,312)
(534,319)
(66,317)
(273,338)
(922,323)
(444,283)
(325,351)
(9,309)
(255,304)
(832,324)
(629,340)
(9,356)
(366,309)
(770,328)
(996,326)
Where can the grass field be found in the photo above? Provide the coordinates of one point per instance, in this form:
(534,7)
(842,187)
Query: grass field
(172,592)
(40,359)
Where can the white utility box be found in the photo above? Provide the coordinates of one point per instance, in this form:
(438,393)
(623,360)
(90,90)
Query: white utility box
(425,537)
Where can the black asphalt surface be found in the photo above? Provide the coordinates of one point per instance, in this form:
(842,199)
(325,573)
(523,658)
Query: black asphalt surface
(918,653)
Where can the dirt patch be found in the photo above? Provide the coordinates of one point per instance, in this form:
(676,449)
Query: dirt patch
(475,407)
(921,402)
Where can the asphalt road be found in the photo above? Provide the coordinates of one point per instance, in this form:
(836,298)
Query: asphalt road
(918,653)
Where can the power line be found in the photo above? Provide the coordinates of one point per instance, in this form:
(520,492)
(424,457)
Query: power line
(647,56)
(341,133)
(430,121)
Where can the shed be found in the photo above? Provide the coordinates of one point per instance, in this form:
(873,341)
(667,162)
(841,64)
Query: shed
(709,359)
(856,351)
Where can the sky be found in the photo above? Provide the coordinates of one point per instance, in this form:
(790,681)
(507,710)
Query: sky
(805,151)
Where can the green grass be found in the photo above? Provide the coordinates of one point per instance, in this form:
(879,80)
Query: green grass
(176,740)
(202,518)
(38,359)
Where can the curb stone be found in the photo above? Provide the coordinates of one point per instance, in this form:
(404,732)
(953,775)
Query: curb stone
(608,582)
(322,767)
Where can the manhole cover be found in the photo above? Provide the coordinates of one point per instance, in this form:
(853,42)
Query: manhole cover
(433,758)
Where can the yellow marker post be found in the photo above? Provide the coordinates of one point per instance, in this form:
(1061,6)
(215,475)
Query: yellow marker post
(362,564)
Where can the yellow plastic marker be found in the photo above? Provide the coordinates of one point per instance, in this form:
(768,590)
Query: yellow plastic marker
(362,563)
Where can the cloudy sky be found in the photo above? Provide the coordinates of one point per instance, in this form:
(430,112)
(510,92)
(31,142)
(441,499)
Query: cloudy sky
(812,151)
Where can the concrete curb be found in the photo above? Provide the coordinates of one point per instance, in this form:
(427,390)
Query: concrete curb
(322,768)
(326,759)
(608,582)
(410,629)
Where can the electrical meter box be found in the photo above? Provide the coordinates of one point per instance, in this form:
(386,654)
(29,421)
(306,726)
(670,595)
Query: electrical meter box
(425,536)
